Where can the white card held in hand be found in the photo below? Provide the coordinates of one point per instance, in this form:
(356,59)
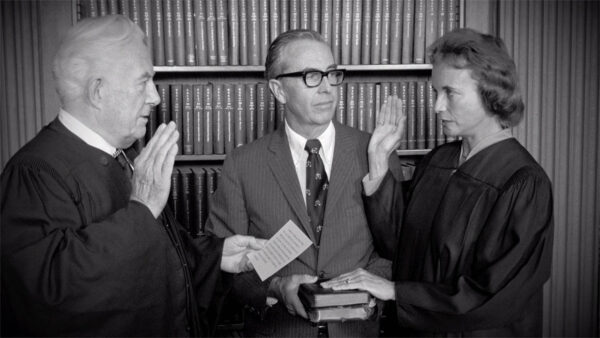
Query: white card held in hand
(287,244)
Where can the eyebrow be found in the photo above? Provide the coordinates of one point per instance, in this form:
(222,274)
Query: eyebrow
(146,75)
(330,67)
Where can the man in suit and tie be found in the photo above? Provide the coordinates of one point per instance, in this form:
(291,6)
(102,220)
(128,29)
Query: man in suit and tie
(310,172)
(86,247)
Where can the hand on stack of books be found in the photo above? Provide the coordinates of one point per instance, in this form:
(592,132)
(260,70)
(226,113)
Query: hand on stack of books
(323,305)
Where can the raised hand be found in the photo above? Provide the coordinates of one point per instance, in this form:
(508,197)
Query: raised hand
(386,136)
(235,252)
(151,179)
(379,287)
(286,290)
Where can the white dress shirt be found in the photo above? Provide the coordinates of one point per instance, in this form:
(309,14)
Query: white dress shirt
(299,155)
(86,134)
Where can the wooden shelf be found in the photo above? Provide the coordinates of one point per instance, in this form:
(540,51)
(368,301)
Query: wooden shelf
(217,158)
(261,69)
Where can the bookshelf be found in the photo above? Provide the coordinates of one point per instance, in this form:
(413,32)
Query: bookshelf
(209,65)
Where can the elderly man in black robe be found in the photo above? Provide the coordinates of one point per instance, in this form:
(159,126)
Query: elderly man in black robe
(88,247)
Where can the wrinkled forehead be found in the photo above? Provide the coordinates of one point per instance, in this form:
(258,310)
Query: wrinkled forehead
(305,54)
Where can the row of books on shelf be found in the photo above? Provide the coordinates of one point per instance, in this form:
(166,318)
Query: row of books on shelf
(238,32)
(215,118)
(191,194)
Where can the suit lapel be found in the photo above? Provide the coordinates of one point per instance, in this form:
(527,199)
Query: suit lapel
(341,168)
(281,165)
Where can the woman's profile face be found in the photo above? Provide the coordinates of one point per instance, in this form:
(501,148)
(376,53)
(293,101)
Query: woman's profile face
(459,104)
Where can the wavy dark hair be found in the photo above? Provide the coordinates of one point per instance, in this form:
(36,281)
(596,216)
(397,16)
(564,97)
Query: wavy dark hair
(491,66)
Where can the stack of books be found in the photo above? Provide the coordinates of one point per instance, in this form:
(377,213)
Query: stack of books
(325,305)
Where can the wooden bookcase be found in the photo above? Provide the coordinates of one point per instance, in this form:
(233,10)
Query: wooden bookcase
(179,34)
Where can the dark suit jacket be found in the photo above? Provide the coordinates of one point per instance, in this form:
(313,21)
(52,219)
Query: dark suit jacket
(80,259)
(259,192)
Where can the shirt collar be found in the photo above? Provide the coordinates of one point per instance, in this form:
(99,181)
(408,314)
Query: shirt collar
(85,133)
(297,143)
(488,141)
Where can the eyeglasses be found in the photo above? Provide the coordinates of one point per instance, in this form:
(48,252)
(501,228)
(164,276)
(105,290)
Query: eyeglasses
(313,78)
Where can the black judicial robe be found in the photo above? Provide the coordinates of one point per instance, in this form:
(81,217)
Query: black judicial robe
(471,244)
(80,259)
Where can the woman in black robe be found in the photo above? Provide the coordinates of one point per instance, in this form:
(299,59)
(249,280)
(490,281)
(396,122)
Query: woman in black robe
(470,235)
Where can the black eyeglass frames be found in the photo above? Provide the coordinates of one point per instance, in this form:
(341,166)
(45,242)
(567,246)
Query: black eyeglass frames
(313,78)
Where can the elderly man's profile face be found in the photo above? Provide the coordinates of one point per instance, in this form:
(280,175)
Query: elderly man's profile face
(130,94)
(308,108)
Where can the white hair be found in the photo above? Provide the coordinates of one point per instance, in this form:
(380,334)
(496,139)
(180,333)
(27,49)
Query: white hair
(87,47)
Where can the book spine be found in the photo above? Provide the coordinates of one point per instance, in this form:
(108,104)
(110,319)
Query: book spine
(441,21)
(280,114)
(177,113)
(251,112)
(351,104)
(419,43)
(218,119)
(200,33)
(243,6)
(315,23)
(211,32)
(174,195)
(113,7)
(421,116)
(169,35)
(356,31)
(284,16)
(152,123)
(208,119)
(145,20)
(164,115)
(431,117)
(188,120)
(304,14)
(211,186)
(253,33)
(396,31)
(366,45)
(346,31)
(186,199)
(294,14)
(198,119)
(263,10)
(90,8)
(234,31)
(200,213)
(261,109)
(340,113)
(179,33)
(336,30)
(222,33)
(271,111)
(370,107)
(103,9)
(123,6)
(453,15)
(431,8)
(157,32)
(240,115)
(190,54)
(229,120)
(326,20)
(403,95)
(376,32)
(408,31)
(411,118)
(362,106)
(274,26)
(385,32)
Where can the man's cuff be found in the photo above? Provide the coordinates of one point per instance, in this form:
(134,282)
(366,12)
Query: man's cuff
(371,185)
